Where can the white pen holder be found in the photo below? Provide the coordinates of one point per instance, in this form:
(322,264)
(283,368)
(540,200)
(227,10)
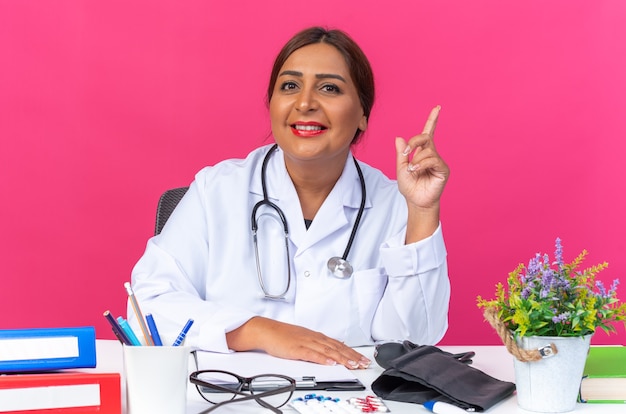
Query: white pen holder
(156,379)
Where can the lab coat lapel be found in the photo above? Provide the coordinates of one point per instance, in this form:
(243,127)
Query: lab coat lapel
(290,203)
(281,191)
(344,197)
(330,218)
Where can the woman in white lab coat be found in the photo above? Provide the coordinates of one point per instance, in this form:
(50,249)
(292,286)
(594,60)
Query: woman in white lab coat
(204,263)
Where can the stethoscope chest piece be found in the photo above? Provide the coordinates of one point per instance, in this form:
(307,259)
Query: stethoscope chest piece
(339,267)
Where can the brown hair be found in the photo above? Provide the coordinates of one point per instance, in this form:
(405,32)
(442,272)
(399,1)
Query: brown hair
(358,64)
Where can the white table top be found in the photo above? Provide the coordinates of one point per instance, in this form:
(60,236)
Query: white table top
(493,360)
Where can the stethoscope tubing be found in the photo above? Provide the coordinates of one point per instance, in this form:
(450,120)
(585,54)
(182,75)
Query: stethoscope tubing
(339,267)
(359,214)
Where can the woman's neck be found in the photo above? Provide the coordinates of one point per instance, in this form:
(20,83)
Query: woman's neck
(313,182)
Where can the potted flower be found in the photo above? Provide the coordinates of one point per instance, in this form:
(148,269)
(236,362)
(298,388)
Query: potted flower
(546,315)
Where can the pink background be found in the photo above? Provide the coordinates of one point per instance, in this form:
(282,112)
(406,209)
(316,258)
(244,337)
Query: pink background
(104,105)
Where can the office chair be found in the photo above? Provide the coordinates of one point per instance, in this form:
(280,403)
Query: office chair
(167,203)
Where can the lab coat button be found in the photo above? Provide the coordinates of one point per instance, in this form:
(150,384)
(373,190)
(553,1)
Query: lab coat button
(307,273)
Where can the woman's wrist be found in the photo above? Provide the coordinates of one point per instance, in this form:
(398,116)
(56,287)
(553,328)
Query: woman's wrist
(421,223)
(245,337)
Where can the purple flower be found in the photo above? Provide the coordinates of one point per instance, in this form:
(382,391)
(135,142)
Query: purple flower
(562,283)
(558,253)
(534,266)
(547,281)
(560,318)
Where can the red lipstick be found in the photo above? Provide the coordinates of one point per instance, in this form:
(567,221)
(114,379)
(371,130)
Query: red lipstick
(307,129)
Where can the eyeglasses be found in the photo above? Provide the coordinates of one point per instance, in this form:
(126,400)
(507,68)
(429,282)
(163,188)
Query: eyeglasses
(222,387)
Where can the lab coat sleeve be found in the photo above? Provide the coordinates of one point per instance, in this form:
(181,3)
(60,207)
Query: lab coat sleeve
(169,279)
(416,300)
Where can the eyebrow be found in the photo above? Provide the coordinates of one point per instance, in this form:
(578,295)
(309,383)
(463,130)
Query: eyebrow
(318,75)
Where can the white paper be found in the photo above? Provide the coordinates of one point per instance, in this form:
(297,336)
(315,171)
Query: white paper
(38,348)
(41,398)
(248,364)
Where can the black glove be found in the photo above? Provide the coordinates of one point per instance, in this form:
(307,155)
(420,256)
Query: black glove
(424,373)
(388,351)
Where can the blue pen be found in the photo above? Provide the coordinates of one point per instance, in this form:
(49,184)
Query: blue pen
(439,407)
(153,330)
(183,333)
(128,331)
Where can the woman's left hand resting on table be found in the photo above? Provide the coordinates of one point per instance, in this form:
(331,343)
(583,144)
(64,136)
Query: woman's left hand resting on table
(293,342)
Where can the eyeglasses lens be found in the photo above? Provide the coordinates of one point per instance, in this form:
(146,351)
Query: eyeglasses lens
(225,387)
(267,384)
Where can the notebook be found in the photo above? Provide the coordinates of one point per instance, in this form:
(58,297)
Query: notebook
(604,376)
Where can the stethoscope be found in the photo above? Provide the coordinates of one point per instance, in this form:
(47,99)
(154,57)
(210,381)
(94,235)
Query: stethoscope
(338,266)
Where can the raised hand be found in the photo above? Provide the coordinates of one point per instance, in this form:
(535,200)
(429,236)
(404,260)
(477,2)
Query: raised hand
(421,177)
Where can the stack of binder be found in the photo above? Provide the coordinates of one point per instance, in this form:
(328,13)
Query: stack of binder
(39,372)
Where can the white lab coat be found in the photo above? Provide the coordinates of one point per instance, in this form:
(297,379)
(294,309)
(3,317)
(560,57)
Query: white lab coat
(202,265)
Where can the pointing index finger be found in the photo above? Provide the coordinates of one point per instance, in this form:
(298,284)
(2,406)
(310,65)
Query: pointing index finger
(431,122)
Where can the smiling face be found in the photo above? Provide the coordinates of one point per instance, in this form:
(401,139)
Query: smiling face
(315,109)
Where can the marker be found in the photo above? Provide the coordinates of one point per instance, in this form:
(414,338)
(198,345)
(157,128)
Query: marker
(128,331)
(183,333)
(439,407)
(138,314)
(117,329)
(153,330)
